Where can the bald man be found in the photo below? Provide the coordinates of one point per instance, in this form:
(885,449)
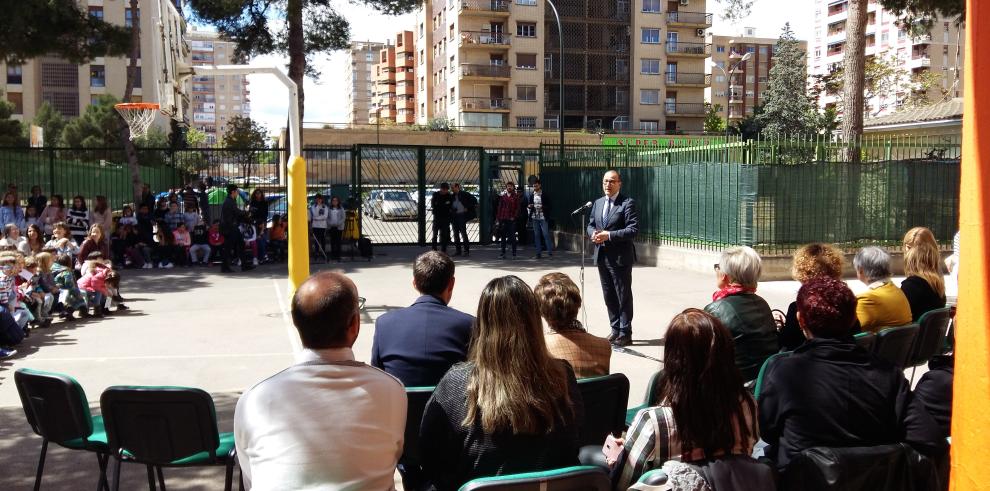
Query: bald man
(328,421)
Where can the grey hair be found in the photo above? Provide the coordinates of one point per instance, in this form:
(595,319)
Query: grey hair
(873,262)
(742,264)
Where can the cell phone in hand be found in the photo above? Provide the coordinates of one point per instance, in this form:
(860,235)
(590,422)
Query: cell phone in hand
(612,450)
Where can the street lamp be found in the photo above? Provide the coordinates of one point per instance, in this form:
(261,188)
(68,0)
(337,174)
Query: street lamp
(560,63)
(728,79)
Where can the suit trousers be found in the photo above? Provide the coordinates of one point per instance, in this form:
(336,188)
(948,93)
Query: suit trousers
(617,286)
(459,224)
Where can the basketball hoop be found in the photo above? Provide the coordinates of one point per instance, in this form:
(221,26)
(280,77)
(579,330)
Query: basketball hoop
(139,116)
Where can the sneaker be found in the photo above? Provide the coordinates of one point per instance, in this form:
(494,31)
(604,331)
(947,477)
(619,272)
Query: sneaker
(254,261)
(147,266)
(537,257)
(168,265)
(121,306)
(4,353)
(501,256)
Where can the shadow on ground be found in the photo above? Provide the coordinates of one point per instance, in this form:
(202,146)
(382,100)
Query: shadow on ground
(71,470)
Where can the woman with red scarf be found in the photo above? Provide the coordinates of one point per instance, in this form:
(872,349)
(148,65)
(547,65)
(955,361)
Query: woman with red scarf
(742,311)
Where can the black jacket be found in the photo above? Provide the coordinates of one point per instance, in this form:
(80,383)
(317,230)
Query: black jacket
(230,215)
(545,202)
(623,225)
(934,390)
(470,204)
(442,206)
(832,393)
(748,317)
(921,296)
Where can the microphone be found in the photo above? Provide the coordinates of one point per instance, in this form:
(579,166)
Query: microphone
(582,209)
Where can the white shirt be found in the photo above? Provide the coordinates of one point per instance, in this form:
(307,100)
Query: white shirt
(319,214)
(327,422)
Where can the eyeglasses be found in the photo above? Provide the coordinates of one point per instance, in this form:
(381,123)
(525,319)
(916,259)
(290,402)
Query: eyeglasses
(717,268)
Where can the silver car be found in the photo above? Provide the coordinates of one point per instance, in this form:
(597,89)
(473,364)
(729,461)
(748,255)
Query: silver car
(393,205)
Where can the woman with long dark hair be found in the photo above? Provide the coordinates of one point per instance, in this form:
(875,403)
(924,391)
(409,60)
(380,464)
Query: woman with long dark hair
(704,413)
(258,210)
(78,219)
(35,239)
(511,407)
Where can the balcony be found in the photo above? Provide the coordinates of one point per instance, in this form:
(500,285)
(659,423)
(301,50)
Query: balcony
(687,109)
(486,40)
(922,40)
(919,62)
(486,72)
(680,79)
(689,50)
(494,104)
(689,19)
(486,8)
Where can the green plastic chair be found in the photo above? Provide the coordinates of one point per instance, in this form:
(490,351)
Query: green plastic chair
(605,399)
(651,399)
(57,410)
(865,340)
(758,386)
(894,344)
(577,478)
(656,477)
(410,464)
(165,427)
(932,330)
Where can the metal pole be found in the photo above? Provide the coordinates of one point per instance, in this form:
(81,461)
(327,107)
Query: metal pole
(560,63)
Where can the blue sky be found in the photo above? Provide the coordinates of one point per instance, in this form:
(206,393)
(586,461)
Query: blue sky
(325,98)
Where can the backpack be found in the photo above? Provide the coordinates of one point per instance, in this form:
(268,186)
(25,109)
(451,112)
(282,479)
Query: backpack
(365,248)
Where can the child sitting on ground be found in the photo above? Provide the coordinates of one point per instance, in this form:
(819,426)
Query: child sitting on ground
(11,333)
(200,244)
(46,279)
(69,296)
(278,239)
(249,232)
(127,216)
(38,302)
(165,247)
(182,244)
(93,283)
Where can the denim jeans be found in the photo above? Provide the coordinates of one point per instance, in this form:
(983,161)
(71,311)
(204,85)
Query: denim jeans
(542,231)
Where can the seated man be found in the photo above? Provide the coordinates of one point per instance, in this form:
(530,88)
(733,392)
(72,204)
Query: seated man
(883,305)
(829,392)
(328,421)
(419,343)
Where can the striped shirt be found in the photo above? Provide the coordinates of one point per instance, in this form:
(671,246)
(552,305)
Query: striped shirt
(652,439)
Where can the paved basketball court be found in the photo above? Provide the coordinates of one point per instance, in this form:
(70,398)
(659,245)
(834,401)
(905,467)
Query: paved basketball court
(223,333)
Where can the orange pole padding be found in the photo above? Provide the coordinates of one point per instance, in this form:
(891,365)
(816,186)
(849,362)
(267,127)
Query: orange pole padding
(971,389)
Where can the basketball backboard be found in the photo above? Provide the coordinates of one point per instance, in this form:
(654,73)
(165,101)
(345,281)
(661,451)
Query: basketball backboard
(170,59)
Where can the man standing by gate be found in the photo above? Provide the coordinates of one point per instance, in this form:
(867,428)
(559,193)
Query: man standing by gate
(442,203)
(465,208)
(230,220)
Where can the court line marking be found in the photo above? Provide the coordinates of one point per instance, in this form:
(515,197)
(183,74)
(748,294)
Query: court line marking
(162,357)
(290,330)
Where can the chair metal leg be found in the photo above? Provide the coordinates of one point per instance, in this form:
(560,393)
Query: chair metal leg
(116,474)
(151,478)
(911,382)
(161,477)
(41,464)
(102,484)
(229,475)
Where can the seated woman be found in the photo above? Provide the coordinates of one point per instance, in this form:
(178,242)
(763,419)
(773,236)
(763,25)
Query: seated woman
(924,286)
(883,305)
(810,261)
(62,241)
(511,407)
(744,313)
(560,301)
(829,392)
(705,412)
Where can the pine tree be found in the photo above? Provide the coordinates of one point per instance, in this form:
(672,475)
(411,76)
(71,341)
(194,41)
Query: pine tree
(787,107)
(51,122)
(11,130)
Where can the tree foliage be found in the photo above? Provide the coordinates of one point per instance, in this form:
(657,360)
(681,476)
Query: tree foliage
(11,130)
(713,122)
(787,107)
(51,122)
(919,15)
(244,132)
(33,28)
(749,127)
(98,127)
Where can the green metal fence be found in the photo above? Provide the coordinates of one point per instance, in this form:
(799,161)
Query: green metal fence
(773,195)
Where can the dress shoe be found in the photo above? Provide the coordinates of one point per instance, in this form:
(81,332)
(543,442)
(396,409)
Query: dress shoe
(611,337)
(622,341)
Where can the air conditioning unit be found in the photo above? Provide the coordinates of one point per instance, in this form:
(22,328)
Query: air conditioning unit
(685,2)
(700,32)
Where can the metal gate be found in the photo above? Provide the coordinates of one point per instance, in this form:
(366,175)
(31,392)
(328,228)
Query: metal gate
(395,184)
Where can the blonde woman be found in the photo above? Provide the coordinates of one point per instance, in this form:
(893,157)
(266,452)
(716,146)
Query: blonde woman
(924,285)
(560,301)
(511,407)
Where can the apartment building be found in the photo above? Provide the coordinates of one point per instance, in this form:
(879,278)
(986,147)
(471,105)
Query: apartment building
(214,100)
(941,50)
(363,56)
(394,96)
(627,64)
(737,86)
(70,87)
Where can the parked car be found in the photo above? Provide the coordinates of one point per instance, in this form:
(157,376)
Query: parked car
(393,205)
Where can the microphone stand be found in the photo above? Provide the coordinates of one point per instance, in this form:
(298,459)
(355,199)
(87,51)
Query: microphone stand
(584,242)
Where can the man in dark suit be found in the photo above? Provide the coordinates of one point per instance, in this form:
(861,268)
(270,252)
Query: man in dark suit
(233,242)
(612,227)
(419,343)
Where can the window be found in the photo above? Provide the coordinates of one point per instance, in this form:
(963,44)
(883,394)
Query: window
(550,123)
(526,122)
(720,49)
(884,37)
(649,125)
(763,50)
(526,61)
(15,74)
(128,17)
(137,77)
(901,34)
(526,29)
(526,93)
(649,96)
(720,79)
(650,66)
(525,2)
(651,6)
(671,73)
(651,35)
(750,79)
(369,57)
(763,79)
(750,49)
(620,123)
(97,76)
(17,99)
(96,12)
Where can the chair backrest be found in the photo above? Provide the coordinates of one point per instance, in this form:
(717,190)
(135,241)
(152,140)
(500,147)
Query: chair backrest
(894,344)
(416,405)
(55,405)
(932,327)
(865,340)
(578,478)
(758,386)
(652,397)
(605,399)
(159,425)
(883,467)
